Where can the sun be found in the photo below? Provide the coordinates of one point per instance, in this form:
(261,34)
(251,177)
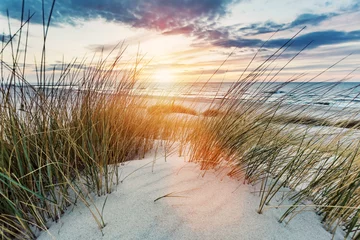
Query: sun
(164,76)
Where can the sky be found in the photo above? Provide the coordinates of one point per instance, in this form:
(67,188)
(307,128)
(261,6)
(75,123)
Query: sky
(187,40)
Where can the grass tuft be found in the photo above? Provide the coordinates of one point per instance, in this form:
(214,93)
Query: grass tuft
(171,108)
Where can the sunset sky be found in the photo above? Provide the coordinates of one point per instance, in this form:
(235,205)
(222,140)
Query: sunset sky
(186,40)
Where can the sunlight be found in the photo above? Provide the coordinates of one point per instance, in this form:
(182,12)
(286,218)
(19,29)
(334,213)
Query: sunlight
(164,76)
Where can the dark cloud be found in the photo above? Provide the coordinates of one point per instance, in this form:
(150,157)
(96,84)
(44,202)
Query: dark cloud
(4,38)
(153,14)
(187,17)
(220,36)
(306,19)
(239,42)
(321,38)
(317,38)
(311,19)
(259,28)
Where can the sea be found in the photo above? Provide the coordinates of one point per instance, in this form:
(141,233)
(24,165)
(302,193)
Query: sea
(331,94)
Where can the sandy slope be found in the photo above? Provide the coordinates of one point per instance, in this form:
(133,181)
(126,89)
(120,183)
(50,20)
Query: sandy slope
(209,207)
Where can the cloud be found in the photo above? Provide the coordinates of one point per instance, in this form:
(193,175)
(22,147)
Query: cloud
(197,19)
(305,19)
(4,38)
(102,47)
(239,42)
(321,38)
(318,39)
(61,67)
(186,30)
(260,28)
(220,36)
(202,31)
(151,14)
(353,7)
(311,19)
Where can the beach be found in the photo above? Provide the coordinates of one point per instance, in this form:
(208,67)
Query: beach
(208,119)
(198,205)
(153,193)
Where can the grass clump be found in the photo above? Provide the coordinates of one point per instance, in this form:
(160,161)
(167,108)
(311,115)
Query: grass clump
(62,147)
(61,139)
(171,108)
(212,113)
(280,146)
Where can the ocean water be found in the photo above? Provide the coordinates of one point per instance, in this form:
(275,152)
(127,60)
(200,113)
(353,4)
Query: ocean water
(336,94)
(340,94)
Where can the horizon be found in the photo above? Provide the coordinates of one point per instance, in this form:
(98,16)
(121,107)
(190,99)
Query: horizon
(182,41)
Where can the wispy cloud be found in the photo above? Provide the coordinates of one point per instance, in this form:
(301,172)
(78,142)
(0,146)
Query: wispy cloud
(311,19)
(260,28)
(319,38)
(305,19)
(354,6)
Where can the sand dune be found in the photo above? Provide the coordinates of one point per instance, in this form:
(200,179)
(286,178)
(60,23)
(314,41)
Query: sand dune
(197,207)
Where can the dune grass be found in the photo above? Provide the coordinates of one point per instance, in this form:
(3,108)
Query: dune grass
(212,113)
(62,139)
(59,148)
(171,108)
(317,164)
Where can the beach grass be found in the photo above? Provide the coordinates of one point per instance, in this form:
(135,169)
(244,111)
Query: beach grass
(315,158)
(171,108)
(62,140)
(60,148)
(212,113)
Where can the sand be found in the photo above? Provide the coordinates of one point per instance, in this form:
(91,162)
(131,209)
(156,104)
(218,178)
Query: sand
(213,206)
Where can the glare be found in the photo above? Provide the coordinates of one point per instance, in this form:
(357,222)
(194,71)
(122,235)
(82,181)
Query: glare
(164,75)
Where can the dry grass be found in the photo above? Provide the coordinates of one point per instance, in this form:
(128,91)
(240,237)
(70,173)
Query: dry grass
(319,166)
(61,139)
(171,108)
(212,113)
(58,145)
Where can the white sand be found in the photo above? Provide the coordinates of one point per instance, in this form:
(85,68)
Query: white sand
(209,207)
